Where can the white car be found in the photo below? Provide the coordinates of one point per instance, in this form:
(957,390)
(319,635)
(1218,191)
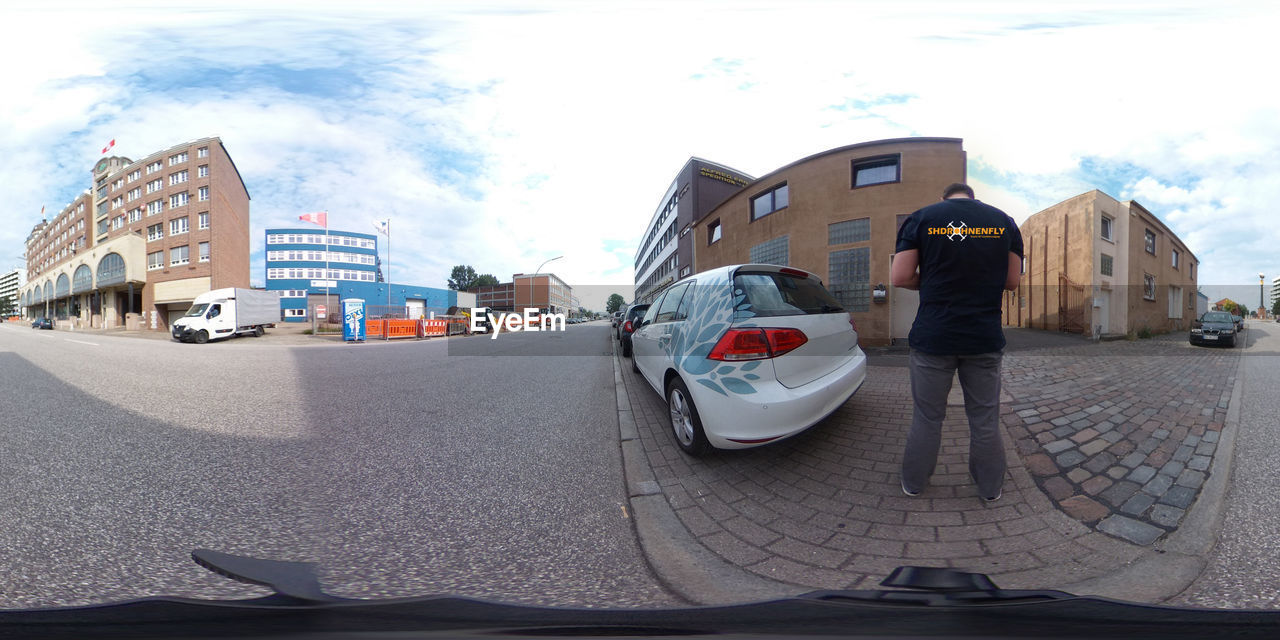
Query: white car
(747,354)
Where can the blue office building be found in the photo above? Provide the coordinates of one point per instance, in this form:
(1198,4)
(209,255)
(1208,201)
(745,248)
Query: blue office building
(296,266)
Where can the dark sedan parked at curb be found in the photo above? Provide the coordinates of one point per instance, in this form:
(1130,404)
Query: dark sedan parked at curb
(42,323)
(1214,327)
(629,322)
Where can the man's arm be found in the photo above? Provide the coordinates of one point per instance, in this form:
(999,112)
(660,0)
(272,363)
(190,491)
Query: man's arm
(904,272)
(1015,272)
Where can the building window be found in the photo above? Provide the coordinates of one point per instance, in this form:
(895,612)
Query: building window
(117,223)
(849,278)
(154,167)
(135,215)
(770,201)
(713,232)
(155,185)
(135,193)
(155,260)
(204,252)
(179,255)
(117,202)
(155,232)
(204,193)
(849,231)
(295,313)
(177,158)
(135,174)
(178,226)
(203,220)
(771,252)
(1175,258)
(1107,223)
(1148,286)
(178,199)
(154,207)
(878,170)
(1107,264)
(178,177)
(202,171)
(202,152)
(1150,238)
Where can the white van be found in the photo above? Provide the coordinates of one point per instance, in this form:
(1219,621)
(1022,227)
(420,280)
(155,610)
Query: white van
(222,313)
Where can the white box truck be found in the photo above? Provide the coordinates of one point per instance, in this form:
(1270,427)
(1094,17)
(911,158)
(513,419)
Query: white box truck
(222,313)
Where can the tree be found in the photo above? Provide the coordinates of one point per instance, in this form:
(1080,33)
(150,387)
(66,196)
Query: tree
(485,280)
(462,278)
(1275,307)
(615,302)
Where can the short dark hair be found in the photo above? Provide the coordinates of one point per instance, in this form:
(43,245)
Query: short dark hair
(957,187)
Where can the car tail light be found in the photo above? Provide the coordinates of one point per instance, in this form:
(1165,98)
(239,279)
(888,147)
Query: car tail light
(794,272)
(756,344)
(627,327)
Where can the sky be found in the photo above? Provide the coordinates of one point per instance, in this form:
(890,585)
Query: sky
(500,135)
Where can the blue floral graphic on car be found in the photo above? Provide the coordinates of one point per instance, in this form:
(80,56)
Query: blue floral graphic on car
(692,340)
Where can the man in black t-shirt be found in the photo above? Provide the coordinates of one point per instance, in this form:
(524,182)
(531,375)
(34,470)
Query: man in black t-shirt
(967,253)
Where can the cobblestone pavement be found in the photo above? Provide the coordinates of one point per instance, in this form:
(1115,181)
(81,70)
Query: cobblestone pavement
(824,509)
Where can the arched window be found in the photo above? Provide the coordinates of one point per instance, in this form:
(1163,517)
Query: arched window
(111,270)
(64,286)
(83,279)
(48,291)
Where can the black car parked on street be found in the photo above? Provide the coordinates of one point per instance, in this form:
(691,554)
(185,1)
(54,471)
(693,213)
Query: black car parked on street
(634,313)
(1214,327)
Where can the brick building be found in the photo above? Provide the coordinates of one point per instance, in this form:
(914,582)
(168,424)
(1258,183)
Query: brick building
(147,237)
(1097,267)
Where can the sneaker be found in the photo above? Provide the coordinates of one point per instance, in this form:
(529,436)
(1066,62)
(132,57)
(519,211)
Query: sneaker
(909,492)
(998,495)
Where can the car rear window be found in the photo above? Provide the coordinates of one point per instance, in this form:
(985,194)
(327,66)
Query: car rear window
(780,294)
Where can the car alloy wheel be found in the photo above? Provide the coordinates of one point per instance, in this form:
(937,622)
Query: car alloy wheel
(685,423)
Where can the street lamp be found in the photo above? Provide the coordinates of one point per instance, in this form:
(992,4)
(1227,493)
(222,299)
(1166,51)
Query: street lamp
(535,273)
(1261,278)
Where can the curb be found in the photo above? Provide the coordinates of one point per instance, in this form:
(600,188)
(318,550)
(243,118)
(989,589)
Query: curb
(682,564)
(1176,562)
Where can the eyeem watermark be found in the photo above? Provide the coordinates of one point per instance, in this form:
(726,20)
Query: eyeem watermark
(532,320)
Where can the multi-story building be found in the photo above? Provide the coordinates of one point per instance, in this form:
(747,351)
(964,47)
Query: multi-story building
(1099,267)
(313,268)
(836,214)
(543,291)
(10,297)
(666,249)
(146,239)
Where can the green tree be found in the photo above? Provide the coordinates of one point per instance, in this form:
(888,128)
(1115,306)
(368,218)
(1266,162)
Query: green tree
(1275,307)
(485,280)
(615,302)
(462,278)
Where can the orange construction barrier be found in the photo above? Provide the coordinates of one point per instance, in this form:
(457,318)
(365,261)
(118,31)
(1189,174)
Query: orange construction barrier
(402,328)
(434,328)
(374,328)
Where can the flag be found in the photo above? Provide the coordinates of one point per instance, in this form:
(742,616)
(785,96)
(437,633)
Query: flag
(321,218)
(109,145)
(382,226)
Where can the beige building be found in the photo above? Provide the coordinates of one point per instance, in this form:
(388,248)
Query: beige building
(1100,267)
(836,214)
(147,238)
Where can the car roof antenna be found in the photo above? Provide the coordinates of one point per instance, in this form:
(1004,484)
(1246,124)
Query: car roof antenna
(294,580)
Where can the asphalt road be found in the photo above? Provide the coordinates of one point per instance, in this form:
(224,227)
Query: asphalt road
(401,469)
(1242,569)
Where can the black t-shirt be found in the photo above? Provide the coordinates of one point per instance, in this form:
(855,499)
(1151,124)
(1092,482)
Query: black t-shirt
(964,248)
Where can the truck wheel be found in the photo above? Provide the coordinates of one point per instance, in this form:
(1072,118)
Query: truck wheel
(257,332)
(202,336)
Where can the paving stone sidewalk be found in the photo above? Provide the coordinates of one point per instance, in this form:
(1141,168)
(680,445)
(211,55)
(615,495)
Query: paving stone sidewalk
(825,510)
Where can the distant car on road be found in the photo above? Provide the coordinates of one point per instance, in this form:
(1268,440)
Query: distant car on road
(1238,321)
(1214,327)
(747,354)
(42,323)
(634,313)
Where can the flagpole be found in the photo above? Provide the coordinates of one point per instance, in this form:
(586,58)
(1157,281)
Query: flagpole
(326,264)
(388,273)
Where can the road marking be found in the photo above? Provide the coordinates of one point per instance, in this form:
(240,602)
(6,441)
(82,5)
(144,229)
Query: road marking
(93,344)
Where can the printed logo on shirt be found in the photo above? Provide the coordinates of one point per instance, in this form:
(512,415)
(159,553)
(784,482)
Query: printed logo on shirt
(952,231)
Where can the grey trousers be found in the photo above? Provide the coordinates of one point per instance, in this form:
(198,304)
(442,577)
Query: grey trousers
(931,377)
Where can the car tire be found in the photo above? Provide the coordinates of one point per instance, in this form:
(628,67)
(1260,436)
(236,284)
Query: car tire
(257,332)
(626,349)
(686,425)
(634,367)
(1232,344)
(201,337)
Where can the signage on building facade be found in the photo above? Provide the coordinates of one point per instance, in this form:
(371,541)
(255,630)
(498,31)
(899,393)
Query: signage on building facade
(320,284)
(722,176)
